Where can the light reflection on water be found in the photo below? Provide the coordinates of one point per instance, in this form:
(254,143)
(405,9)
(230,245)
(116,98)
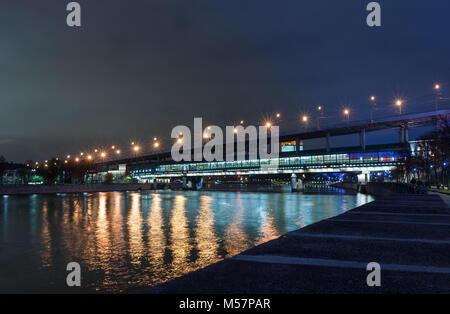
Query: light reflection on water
(130,241)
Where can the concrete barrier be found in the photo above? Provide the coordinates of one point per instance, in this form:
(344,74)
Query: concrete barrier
(382,189)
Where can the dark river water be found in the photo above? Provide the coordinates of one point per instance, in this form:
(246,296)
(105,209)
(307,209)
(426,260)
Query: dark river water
(125,242)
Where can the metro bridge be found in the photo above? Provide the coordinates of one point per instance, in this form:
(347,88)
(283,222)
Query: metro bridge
(294,158)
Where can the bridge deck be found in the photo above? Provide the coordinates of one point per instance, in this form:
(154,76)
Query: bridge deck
(408,235)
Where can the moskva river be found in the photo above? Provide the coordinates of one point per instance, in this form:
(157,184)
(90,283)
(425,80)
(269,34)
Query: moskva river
(126,242)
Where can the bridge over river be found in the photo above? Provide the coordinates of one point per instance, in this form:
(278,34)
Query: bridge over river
(295,159)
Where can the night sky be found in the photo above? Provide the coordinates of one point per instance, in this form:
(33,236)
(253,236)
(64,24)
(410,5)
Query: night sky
(137,68)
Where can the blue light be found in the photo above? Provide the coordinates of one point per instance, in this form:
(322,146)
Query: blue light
(415,169)
(444,164)
(431,166)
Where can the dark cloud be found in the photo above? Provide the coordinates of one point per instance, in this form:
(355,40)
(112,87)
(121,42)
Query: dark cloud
(137,68)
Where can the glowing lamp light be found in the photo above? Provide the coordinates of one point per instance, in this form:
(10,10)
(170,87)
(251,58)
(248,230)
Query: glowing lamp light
(156,144)
(268,124)
(346,112)
(399,102)
(305,118)
(278,115)
(118,152)
(372,98)
(437,86)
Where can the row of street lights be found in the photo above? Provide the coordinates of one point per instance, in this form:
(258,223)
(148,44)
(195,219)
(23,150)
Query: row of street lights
(304,120)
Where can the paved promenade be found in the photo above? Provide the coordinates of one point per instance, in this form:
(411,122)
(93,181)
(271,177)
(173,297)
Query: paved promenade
(408,235)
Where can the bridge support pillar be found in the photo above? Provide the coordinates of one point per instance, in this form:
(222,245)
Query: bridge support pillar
(362,139)
(328,142)
(404,134)
(364,177)
(297,145)
(296,184)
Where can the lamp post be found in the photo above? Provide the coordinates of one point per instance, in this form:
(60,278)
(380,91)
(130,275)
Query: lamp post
(371,107)
(437,89)
(347,115)
(399,104)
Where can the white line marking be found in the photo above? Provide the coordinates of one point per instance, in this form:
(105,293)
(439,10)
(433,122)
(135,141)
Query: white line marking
(392,222)
(355,237)
(273,259)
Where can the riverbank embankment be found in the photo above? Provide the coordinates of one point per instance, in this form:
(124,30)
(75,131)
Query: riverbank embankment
(69,188)
(408,235)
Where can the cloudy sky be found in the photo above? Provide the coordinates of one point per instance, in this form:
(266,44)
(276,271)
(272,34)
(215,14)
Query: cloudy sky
(137,68)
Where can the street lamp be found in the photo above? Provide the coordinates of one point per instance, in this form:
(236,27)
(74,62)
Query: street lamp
(347,115)
(278,115)
(437,88)
(371,107)
(268,124)
(399,104)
